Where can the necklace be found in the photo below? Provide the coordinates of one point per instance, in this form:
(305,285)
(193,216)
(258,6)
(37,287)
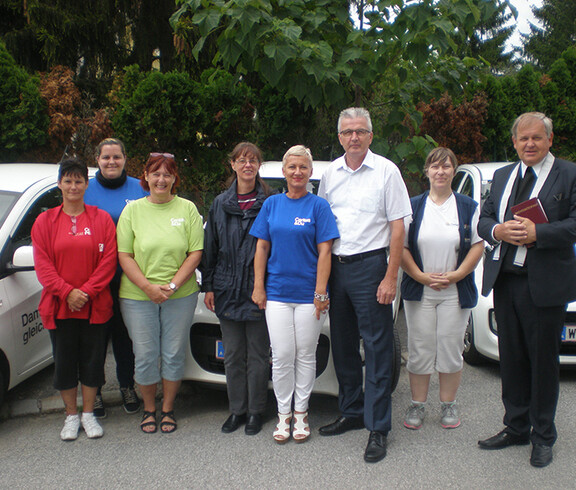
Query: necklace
(440,199)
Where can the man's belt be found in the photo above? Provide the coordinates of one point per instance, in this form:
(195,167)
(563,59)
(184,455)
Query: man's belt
(347,259)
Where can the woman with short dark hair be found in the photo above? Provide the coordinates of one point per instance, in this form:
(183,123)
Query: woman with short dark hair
(75,260)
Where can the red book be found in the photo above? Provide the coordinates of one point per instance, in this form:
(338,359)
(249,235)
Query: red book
(531,209)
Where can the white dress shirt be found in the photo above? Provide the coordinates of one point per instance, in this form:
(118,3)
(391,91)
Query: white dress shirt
(364,201)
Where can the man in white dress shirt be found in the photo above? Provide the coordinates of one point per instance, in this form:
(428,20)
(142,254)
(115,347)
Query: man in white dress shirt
(370,201)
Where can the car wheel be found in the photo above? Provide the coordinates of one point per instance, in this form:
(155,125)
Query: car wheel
(470,354)
(396,359)
(2,387)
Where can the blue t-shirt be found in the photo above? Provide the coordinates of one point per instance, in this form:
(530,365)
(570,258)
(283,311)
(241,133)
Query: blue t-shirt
(294,228)
(113,200)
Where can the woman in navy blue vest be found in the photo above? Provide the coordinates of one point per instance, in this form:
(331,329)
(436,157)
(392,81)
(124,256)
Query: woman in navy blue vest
(441,251)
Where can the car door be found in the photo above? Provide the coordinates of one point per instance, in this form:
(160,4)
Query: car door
(21,292)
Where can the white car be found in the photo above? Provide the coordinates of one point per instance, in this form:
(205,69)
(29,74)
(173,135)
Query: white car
(205,356)
(481,341)
(26,189)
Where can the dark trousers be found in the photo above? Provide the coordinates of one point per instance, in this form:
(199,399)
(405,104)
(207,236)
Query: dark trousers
(117,333)
(355,313)
(247,364)
(529,345)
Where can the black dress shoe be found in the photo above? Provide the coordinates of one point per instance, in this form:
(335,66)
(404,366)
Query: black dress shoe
(541,455)
(376,448)
(253,424)
(503,439)
(341,425)
(233,422)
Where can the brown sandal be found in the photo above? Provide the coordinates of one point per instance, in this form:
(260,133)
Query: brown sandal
(168,422)
(148,424)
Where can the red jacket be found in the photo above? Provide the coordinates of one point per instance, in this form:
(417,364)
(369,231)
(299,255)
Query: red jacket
(56,289)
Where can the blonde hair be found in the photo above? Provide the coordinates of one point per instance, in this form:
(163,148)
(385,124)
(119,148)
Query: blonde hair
(297,151)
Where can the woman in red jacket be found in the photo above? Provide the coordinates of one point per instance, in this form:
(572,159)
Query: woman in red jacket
(75,260)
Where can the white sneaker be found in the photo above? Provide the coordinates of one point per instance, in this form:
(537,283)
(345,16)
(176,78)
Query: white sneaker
(91,426)
(71,428)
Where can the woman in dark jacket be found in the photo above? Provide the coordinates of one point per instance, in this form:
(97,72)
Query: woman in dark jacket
(228,280)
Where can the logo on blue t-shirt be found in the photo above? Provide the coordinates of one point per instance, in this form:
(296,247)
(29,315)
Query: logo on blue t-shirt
(301,221)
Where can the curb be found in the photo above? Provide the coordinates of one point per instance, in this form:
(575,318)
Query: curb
(51,404)
(54,403)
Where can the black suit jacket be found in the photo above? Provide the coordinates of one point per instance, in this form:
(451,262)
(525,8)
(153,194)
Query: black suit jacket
(551,263)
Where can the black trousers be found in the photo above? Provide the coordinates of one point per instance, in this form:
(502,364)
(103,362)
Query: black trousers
(529,345)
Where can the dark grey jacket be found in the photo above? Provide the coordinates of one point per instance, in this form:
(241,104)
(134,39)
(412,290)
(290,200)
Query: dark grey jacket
(228,258)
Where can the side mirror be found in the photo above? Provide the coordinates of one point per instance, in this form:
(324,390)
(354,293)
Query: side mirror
(23,259)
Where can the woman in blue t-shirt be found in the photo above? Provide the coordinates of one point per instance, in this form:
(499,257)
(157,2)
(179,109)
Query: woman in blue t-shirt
(295,233)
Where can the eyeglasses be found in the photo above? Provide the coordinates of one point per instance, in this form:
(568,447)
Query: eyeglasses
(165,155)
(347,133)
(73,219)
(243,161)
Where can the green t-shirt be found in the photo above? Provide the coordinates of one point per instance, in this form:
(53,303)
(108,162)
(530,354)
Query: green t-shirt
(160,237)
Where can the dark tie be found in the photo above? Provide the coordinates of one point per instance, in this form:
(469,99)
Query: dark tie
(526,185)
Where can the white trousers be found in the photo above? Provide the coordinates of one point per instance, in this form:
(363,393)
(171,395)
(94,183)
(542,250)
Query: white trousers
(294,332)
(436,329)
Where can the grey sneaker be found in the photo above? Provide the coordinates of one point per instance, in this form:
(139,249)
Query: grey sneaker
(99,409)
(450,417)
(414,416)
(130,400)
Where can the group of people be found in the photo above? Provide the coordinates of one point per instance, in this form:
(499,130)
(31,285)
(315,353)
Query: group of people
(157,238)
(274,266)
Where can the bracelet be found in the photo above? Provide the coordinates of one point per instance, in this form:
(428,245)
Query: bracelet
(321,297)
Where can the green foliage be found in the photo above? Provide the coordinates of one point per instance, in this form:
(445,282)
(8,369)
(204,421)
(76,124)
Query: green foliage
(23,118)
(153,115)
(95,38)
(483,33)
(197,121)
(311,50)
(307,58)
(544,45)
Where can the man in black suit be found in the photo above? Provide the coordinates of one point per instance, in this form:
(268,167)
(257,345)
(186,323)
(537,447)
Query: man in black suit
(532,269)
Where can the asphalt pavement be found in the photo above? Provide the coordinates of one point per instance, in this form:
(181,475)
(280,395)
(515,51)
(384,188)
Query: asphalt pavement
(199,456)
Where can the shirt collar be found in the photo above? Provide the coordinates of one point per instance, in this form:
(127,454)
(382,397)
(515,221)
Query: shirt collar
(548,160)
(367,162)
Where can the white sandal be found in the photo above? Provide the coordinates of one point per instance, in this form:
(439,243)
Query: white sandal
(301,431)
(282,431)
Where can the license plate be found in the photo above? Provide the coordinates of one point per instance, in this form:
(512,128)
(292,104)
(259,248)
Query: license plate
(219,350)
(569,333)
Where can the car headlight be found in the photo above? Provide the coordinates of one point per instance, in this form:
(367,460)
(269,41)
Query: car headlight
(492,321)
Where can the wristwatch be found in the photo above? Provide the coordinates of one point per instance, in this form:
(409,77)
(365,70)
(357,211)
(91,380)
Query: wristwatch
(173,287)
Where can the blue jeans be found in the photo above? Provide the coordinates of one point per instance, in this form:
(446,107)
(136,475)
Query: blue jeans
(159,331)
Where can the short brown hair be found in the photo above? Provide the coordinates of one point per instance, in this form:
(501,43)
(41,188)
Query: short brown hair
(440,154)
(155,161)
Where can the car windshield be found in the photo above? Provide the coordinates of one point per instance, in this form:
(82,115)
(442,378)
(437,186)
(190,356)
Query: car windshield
(7,201)
(279,184)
